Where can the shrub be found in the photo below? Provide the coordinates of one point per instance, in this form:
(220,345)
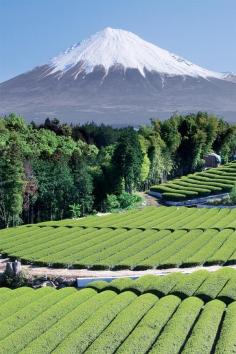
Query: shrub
(233,195)
(175,332)
(75,210)
(128,200)
(174,196)
(204,332)
(124,323)
(227,341)
(111,202)
(148,329)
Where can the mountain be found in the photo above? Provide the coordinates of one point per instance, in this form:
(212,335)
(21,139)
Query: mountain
(230,77)
(118,78)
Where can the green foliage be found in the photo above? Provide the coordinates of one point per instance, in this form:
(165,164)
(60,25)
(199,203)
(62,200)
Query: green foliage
(112,203)
(122,201)
(11,183)
(44,169)
(15,281)
(83,183)
(227,340)
(173,337)
(75,210)
(55,183)
(138,239)
(233,195)
(148,329)
(204,333)
(128,201)
(123,321)
(127,160)
(95,325)
(212,181)
(174,196)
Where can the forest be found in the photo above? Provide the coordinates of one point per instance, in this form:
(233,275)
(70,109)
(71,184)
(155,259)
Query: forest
(54,170)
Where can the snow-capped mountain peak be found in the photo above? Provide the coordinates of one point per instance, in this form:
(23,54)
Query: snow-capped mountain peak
(111,47)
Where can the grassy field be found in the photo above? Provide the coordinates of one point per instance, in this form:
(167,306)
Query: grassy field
(140,239)
(186,314)
(209,182)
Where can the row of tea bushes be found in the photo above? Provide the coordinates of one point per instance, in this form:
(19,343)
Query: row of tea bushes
(206,285)
(120,248)
(87,321)
(209,182)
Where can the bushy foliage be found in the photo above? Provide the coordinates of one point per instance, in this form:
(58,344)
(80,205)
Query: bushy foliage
(213,181)
(46,168)
(122,201)
(144,238)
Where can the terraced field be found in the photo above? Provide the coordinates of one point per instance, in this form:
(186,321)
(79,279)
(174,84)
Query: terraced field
(111,321)
(209,182)
(149,238)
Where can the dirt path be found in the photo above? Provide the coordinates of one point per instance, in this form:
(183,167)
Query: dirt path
(86,273)
(149,199)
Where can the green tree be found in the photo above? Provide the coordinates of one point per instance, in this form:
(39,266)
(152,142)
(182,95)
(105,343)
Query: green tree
(11,183)
(111,203)
(83,194)
(75,210)
(127,159)
(55,188)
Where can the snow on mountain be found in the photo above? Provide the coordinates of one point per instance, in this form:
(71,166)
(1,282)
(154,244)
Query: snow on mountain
(112,47)
(229,76)
(115,77)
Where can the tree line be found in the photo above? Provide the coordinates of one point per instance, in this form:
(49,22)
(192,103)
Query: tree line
(55,170)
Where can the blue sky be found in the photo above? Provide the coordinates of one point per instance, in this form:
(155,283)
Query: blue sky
(33,31)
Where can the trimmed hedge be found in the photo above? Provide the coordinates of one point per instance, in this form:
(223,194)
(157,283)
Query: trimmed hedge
(149,328)
(207,285)
(54,336)
(175,332)
(205,331)
(174,196)
(71,321)
(83,336)
(227,340)
(204,183)
(125,322)
(148,238)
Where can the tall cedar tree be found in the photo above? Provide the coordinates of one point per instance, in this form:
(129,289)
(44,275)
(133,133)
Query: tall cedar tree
(127,160)
(11,183)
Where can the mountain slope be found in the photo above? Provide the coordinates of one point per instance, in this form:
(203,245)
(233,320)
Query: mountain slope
(112,47)
(118,78)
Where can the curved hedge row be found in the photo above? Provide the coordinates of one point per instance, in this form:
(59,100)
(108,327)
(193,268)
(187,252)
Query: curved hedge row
(85,321)
(200,184)
(141,239)
(150,217)
(206,285)
(119,248)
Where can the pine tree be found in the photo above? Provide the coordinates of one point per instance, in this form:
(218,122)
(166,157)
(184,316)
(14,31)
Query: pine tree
(11,183)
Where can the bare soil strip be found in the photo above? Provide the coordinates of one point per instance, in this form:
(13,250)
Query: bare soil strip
(85,273)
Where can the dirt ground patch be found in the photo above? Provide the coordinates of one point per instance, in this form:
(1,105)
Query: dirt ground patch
(33,271)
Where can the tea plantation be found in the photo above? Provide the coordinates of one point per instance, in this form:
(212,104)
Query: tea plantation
(140,239)
(206,285)
(175,314)
(209,182)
